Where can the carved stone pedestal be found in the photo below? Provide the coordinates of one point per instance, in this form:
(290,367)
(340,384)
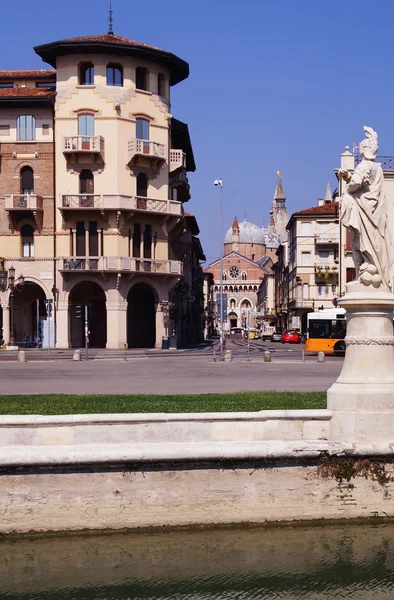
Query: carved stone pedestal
(362,398)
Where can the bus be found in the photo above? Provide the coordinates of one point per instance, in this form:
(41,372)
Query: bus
(326,331)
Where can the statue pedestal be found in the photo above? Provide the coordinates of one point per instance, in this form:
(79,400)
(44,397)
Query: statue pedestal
(362,398)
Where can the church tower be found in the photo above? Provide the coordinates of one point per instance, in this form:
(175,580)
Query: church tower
(279,216)
(235,236)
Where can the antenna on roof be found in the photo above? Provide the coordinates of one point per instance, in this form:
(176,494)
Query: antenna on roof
(110,20)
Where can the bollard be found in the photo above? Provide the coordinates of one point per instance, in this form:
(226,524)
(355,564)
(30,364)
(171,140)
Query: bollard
(124,352)
(21,356)
(321,357)
(77,355)
(228,356)
(267,356)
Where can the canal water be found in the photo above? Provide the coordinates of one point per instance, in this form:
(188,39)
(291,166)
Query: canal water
(316,563)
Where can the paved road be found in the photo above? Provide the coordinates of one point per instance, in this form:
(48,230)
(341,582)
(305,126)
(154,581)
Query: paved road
(165,375)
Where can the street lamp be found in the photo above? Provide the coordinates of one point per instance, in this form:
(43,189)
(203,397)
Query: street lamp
(12,286)
(219,183)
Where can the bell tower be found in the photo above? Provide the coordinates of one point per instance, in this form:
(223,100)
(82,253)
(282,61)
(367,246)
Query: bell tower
(279,216)
(235,236)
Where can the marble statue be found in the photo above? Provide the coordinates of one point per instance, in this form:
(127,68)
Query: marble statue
(364,213)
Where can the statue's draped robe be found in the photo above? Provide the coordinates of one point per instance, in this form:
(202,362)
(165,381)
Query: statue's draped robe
(364,208)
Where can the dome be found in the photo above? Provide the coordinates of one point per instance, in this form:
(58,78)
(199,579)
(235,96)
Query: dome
(249,233)
(271,240)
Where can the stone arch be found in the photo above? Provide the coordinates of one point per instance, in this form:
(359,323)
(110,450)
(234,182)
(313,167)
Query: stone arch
(87,292)
(141,315)
(29,318)
(232,318)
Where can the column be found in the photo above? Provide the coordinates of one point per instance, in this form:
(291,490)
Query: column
(131,241)
(62,325)
(160,327)
(142,229)
(74,248)
(116,324)
(153,246)
(6,323)
(87,238)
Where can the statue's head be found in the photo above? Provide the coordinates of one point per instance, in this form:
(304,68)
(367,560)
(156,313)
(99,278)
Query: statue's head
(369,147)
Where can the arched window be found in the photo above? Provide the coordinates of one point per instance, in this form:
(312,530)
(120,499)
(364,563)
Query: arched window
(232,303)
(115,75)
(161,85)
(27,180)
(224,276)
(246,304)
(244,276)
(86,73)
(26,128)
(142,185)
(86,182)
(141,78)
(27,235)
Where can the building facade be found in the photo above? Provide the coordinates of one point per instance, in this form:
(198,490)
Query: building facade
(249,253)
(92,185)
(313,267)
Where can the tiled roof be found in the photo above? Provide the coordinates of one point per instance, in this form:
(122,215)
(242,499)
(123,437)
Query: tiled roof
(186,214)
(27,74)
(110,38)
(235,222)
(25,92)
(325,209)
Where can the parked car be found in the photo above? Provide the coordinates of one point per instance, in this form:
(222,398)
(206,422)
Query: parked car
(276,336)
(291,336)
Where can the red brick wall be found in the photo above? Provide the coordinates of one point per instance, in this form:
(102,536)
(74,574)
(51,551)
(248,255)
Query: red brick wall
(42,166)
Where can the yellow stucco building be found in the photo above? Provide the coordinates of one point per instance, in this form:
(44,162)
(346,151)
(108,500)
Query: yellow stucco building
(91,203)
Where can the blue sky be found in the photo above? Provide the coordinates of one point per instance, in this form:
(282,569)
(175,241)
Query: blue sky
(278,84)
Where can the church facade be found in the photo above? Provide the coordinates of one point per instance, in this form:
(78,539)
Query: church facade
(248,256)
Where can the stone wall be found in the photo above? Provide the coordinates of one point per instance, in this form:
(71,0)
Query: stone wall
(143,471)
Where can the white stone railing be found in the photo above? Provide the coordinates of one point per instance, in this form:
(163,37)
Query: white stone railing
(84,143)
(146,148)
(121,263)
(22,202)
(119,202)
(177,160)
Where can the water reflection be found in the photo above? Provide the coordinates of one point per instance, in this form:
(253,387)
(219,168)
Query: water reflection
(352,562)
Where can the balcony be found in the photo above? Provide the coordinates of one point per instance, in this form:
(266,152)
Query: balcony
(84,145)
(177,160)
(17,203)
(326,272)
(116,264)
(180,182)
(117,202)
(327,239)
(301,303)
(20,202)
(146,153)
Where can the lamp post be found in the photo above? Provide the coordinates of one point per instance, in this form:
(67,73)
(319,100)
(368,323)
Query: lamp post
(219,183)
(7,282)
